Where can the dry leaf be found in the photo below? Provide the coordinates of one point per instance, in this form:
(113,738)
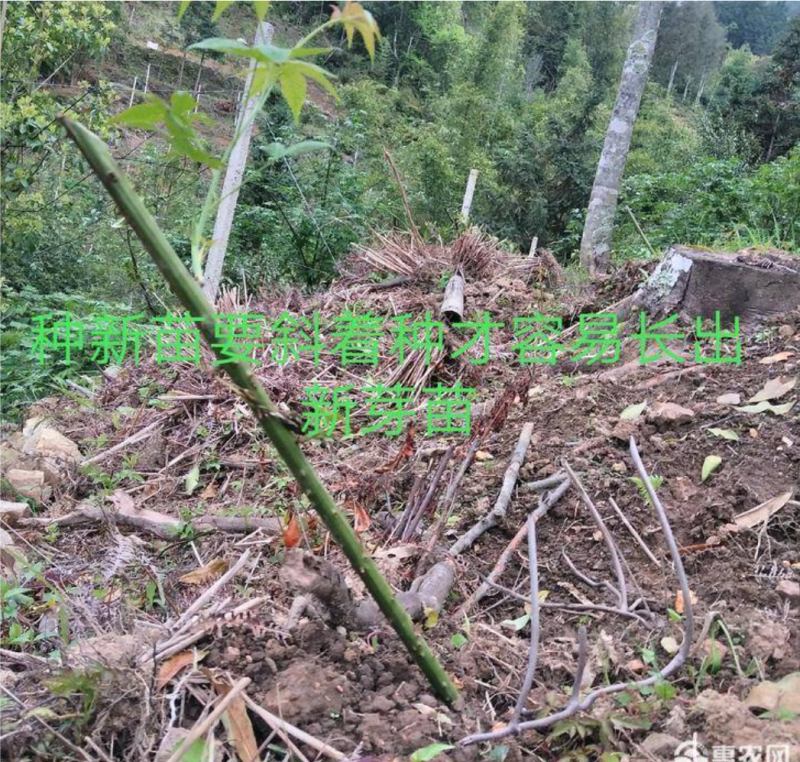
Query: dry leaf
(679,605)
(175,664)
(213,569)
(362,520)
(760,513)
(774,389)
(765,405)
(780,357)
(670,645)
(209,491)
(237,723)
(292,533)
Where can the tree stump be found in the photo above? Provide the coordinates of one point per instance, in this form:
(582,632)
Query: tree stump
(748,285)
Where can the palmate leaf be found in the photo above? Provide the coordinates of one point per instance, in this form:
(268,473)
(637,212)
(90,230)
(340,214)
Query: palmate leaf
(175,121)
(293,89)
(261,7)
(355,19)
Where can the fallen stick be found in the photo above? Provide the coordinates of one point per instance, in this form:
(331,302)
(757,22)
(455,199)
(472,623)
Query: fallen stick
(575,704)
(413,524)
(636,536)
(202,727)
(211,592)
(545,504)
(668,376)
(543,484)
(622,587)
(450,496)
(157,524)
(133,439)
(501,506)
(533,650)
(276,722)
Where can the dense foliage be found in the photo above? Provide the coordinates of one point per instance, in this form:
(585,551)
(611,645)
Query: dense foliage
(520,91)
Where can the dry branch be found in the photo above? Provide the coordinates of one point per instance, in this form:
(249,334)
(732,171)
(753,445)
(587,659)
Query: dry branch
(545,503)
(501,506)
(576,704)
(622,588)
(157,524)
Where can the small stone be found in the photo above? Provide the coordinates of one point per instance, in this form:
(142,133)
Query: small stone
(635,665)
(28,483)
(669,413)
(619,467)
(786,331)
(12,513)
(660,745)
(482,455)
(378,704)
(731,398)
(788,588)
(428,700)
(753,434)
(54,453)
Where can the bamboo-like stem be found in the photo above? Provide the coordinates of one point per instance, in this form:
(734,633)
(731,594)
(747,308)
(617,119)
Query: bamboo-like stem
(191,296)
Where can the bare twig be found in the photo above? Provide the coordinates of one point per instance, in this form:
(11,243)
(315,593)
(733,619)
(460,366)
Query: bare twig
(448,501)
(545,503)
(501,506)
(543,484)
(533,651)
(211,592)
(276,722)
(202,727)
(575,704)
(411,527)
(636,536)
(609,540)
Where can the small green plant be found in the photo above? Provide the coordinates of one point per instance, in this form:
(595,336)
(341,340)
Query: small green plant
(655,482)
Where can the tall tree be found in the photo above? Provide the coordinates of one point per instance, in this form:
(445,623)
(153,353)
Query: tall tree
(756,24)
(599,226)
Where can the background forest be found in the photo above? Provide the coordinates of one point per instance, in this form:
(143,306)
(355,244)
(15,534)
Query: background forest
(520,91)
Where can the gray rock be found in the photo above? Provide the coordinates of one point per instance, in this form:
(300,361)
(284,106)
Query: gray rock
(11,513)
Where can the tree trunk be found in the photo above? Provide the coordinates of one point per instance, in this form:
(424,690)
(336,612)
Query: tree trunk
(234,174)
(672,78)
(596,240)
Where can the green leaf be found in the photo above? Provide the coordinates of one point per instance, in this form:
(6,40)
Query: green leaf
(308,52)
(144,116)
(458,640)
(197,752)
(192,480)
(728,434)
(261,7)
(429,752)
(664,690)
(519,623)
(710,464)
(279,151)
(183,7)
(293,89)
(231,47)
(318,74)
(220,7)
(632,412)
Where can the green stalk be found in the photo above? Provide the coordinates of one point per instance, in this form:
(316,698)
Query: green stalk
(191,296)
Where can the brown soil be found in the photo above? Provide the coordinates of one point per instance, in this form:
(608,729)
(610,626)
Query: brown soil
(360,691)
